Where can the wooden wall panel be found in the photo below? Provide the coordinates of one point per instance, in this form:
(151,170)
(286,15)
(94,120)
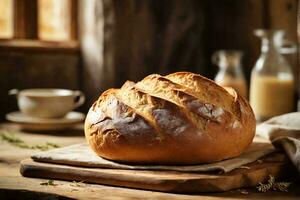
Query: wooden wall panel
(25,19)
(160,37)
(91,22)
(138,38)
(35,70)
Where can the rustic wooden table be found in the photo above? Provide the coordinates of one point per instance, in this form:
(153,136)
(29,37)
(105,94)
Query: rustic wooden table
(14,186)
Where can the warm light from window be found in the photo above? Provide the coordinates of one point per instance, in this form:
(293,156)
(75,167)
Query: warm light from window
(54,20)
(6,18)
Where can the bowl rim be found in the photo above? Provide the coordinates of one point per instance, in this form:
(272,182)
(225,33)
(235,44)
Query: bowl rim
(46,92)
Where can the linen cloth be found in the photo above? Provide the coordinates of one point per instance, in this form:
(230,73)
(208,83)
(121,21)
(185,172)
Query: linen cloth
(284,133)
(82,155)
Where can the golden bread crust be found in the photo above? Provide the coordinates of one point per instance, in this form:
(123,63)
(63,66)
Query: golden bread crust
(181,118)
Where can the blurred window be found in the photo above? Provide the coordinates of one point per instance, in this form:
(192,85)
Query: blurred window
(6,19)
(46,20)
(54,20)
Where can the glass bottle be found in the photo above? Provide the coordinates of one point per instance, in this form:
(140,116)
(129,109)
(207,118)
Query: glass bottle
(230,72)
(272,80)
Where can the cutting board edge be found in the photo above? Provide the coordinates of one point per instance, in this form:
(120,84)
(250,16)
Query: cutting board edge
(30,168)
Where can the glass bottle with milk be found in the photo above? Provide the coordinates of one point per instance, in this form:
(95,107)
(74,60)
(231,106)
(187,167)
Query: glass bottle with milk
(272,80)
(230,73)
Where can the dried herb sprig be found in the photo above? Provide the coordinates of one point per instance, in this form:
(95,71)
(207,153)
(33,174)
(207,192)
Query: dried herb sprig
(49,182)
(282,186)
(273,185)
(15,141)
(78,184)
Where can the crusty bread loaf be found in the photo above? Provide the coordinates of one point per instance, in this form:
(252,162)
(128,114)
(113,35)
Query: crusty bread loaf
(181,118)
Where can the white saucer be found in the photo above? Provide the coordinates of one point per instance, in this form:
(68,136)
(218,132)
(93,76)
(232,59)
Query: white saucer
(43,124)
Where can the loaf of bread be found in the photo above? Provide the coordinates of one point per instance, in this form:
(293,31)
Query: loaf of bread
(181,118)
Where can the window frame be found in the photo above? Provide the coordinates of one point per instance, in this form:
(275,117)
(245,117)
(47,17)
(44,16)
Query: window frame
(25,32)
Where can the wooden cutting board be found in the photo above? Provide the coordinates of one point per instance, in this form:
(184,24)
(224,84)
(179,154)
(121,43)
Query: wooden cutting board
(275,164)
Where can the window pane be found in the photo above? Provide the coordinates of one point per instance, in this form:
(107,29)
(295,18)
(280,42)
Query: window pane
(54,20)
(6,18)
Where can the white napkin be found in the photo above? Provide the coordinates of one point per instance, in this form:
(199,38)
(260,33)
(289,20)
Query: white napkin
(284,133)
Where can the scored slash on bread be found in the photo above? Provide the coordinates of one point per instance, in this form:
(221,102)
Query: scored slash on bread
(181,118)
